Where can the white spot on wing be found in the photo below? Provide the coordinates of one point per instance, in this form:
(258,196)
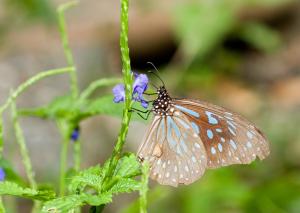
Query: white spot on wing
(197,145)
(249,144)
(220,147)
(213,150)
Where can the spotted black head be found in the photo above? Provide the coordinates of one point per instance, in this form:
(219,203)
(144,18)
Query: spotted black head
(162,103)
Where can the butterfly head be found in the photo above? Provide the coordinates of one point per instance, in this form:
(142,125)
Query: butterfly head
(162,103)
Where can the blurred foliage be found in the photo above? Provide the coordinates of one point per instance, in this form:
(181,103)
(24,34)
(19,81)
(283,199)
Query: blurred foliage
(33,9)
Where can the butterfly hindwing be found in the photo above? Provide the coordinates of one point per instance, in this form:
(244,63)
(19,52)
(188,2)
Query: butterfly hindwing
(174,150)
(228,138)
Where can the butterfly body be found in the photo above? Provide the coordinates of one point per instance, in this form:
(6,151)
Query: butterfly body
(187,137)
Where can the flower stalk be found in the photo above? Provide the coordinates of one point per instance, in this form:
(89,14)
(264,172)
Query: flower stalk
(127,77)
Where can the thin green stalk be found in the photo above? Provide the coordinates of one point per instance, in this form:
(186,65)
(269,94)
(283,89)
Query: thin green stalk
(64,129)
(144,187)
(24,153)
(77,154)
(63,163)
(21,88)
(23,148)
(97,84)
(2,209)
(74,88)
(67,50)
(127,77)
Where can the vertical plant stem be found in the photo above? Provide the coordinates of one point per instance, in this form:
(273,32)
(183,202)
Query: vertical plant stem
(24,153)
(144,187)
(63,164)
(64,129)
(2,209)
(1,135)
(23,148)
(77,154)
(67,50)
(74,85)
(127,77)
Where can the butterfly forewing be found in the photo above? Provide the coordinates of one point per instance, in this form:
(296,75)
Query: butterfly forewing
(174,149)
(228,138)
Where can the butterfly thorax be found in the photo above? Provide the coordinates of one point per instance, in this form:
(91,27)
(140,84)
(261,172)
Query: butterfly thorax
(161,105)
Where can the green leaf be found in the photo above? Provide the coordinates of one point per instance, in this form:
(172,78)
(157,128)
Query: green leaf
(104,105)
(10,174)
(128,166)
(10,188)
(71,202)
(75,110)
(90,177)
(125,185)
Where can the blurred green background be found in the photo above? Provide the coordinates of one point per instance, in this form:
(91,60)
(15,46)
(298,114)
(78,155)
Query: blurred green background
(241,54)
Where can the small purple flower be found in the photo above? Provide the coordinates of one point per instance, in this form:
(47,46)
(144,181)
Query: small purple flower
(140,85)
(2,174)
(75,134)
(119,93)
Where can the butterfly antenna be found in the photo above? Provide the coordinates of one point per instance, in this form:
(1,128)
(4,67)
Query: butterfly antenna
(150,71)
(154,86)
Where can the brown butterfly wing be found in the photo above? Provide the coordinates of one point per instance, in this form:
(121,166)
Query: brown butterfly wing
(228,138)
(175,152)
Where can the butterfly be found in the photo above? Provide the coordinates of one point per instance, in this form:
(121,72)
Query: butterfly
(188,136)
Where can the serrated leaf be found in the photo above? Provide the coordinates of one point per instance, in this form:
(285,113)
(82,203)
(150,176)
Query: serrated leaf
(90,177)
(128,166)
(10,188)
(71,202)
(125,185)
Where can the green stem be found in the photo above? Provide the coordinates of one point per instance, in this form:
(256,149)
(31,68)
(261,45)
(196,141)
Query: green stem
(24,151)
(67,50)
(98,83)
(127,77)
(63,156)
(2,209)
(21,88)
(144,187)
(77,154)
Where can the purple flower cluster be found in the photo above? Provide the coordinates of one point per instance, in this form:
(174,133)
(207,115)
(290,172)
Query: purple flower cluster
(140,85)
(2,174)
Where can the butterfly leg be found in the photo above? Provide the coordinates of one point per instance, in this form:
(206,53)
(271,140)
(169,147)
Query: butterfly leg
(154,93)
(141,113)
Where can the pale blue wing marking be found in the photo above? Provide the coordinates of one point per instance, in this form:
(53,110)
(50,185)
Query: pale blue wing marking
(195,127)
(170,127)
(189,111)
(178,144)
(210,134)
(230,123)
(211,119)
(182,122)
(183,145)
(233,144)
(162,131)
